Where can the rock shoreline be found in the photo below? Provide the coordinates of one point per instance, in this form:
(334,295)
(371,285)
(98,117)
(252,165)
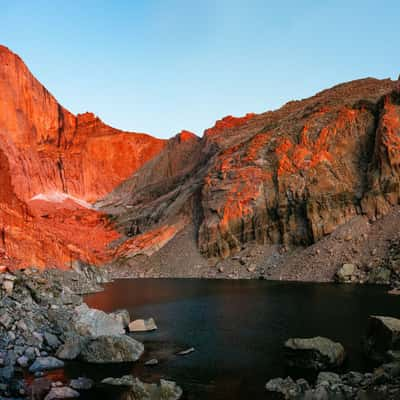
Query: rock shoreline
(44,324)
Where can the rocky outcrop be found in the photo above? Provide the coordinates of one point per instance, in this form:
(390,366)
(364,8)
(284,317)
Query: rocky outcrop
(289,176)
(53,166)
(317,353)
(383,336)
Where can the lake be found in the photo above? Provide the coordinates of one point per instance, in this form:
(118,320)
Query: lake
(237,328)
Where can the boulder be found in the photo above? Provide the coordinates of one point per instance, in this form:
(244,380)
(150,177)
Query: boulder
(383,335)
(318,353)
(111,349)
(380,275)
(91,322)
(63,392)
(346,273)
(45,364)
(142,325)
(51,340)
(81,383)
(71,349)
(138,390)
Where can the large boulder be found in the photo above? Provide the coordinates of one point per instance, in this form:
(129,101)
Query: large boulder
(138,390)
(383,335)
(111,349)
(318,353)
(91,322)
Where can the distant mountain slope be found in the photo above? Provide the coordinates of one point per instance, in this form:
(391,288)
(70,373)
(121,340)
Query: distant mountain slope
(288,176)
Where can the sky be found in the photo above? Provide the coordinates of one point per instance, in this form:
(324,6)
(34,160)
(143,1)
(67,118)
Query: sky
(160,66)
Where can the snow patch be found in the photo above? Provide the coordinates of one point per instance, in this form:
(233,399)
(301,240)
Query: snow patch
(60,197)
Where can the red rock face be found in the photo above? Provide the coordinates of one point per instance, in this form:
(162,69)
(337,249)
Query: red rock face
(53,164)
(288,176)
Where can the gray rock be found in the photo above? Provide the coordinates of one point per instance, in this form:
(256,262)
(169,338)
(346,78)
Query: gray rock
(6,373)
(328,377)
(23,361)
(317,353)
(122,316)
(287,387)
(45,364)
(5,319)
(91,322)
(51,340)
(111,349)
(380,276)
(383,335)
(142,325)
(81,383)
(346,273)
(71,349)
(138,390)
(63,392)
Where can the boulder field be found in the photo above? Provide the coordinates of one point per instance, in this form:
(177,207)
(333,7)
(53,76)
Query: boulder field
(74,189)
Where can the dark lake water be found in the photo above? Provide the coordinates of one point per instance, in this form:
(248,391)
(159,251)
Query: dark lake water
(237,328)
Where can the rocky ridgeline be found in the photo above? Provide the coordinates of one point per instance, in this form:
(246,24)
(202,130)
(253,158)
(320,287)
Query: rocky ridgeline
(44,324)
(325,357)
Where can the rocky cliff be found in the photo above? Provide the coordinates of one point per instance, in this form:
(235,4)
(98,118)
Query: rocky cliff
(53,166)
(73,188)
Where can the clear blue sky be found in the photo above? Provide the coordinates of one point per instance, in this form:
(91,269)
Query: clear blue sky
(162,66)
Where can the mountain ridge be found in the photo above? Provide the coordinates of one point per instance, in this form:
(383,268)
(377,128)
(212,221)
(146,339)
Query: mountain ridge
(76,189)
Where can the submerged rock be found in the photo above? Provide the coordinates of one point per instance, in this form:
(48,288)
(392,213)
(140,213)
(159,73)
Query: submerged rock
(142,325)
(138,390)
(186,351)
(316,353)
(81,383)
(383,335)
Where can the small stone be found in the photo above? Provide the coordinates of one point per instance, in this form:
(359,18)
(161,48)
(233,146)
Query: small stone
(251,268)
(81,383)
(51,340)
(23,361)
(151,362)
(142,325)
(186,351)
(8,286)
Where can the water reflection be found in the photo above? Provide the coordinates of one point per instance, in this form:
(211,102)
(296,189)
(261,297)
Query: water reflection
(238,327)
